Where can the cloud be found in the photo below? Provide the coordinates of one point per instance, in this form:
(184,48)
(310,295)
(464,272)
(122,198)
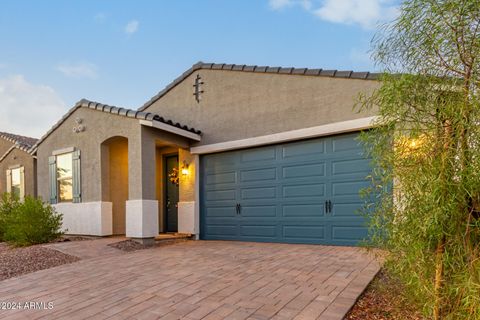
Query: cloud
(366,13)
(78,70)
(131,27)
(100,17)
(3,65)
(26,108)
(280,4)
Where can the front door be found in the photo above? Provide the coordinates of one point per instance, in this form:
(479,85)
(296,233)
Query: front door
(171,196)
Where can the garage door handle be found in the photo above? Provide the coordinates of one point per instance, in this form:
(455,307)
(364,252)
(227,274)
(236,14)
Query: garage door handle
(328,206)
(238,208)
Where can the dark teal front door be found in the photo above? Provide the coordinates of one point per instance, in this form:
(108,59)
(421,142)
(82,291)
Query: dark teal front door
(300,192)
(171,199)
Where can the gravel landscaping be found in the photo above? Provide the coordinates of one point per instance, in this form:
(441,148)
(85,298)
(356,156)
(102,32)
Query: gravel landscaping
(131,245)
(382,300)
(18,261)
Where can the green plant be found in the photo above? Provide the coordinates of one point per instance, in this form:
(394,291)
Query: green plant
(427,141)
(7,204)
(31,222)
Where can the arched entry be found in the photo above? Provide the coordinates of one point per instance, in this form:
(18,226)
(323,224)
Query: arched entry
(115,179)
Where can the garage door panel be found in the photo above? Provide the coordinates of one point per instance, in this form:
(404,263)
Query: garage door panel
(224,211)
(342,167)
(303,210)
(266,174)
(302,232)
(224,230)
(258,193)
(221,160)
(304,190)
(346,142)
(304,150)
(349,233)
(347,209)
(303,170)
(348,188)
(258,155)
(253,230)
(221,178)
(259,211)
(216,195)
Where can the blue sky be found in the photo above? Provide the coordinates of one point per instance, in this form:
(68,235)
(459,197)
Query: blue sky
(123,52)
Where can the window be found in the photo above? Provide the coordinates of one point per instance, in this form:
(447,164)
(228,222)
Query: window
(64,177)
(15,182)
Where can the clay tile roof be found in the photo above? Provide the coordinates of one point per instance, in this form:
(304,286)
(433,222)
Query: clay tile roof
(262,69)
(21,141)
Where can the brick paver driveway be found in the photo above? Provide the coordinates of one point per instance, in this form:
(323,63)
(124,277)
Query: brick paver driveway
(200,280)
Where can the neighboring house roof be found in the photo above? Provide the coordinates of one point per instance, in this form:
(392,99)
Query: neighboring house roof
(20,141)
(261,69)
(16,146)
(84,103)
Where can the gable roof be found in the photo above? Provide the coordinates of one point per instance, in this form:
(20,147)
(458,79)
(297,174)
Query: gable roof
(129,113)
(16,146)
(261,69)
(20,141)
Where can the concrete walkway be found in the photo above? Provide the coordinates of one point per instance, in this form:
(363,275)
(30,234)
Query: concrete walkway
(87,249)
(199,280)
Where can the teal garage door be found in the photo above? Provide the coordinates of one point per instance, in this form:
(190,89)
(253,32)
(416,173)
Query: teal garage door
(299,192)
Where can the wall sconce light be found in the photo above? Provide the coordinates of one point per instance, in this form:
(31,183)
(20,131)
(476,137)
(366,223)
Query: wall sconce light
(185,170)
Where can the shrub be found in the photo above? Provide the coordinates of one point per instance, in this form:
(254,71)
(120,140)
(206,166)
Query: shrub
(30,222)
(7,203)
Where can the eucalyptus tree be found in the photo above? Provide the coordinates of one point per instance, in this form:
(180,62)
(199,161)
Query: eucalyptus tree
(426,151)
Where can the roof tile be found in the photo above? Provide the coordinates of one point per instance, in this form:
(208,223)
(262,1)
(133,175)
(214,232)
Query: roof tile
(285,70)
(328,73)
(18,139)
(313,72)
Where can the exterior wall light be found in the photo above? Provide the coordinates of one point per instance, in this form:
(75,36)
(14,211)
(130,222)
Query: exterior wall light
(185,170)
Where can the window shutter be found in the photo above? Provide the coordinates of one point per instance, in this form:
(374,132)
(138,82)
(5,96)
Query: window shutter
(76,177)
(22,183)
(52,173)
(9,180)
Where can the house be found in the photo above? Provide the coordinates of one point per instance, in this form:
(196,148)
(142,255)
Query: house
(225,152)
(17,165)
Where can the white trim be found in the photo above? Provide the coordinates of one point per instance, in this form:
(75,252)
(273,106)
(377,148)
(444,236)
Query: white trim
(197,197)
(172,129)
(63,151)
(88,218)
(141,218)
(312,132)
(186,217)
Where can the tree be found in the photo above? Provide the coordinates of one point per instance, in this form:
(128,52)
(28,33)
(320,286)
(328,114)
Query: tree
(427,142)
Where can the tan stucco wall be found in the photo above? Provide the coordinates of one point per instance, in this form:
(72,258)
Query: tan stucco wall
(118,178)
(237,105)
(19,157)
(101,126)
(4,146)
(187,182)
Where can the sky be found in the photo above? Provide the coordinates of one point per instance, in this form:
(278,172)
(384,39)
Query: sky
(122,52)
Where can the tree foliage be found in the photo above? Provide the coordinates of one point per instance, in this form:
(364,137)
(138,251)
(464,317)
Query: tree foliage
(427,142)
